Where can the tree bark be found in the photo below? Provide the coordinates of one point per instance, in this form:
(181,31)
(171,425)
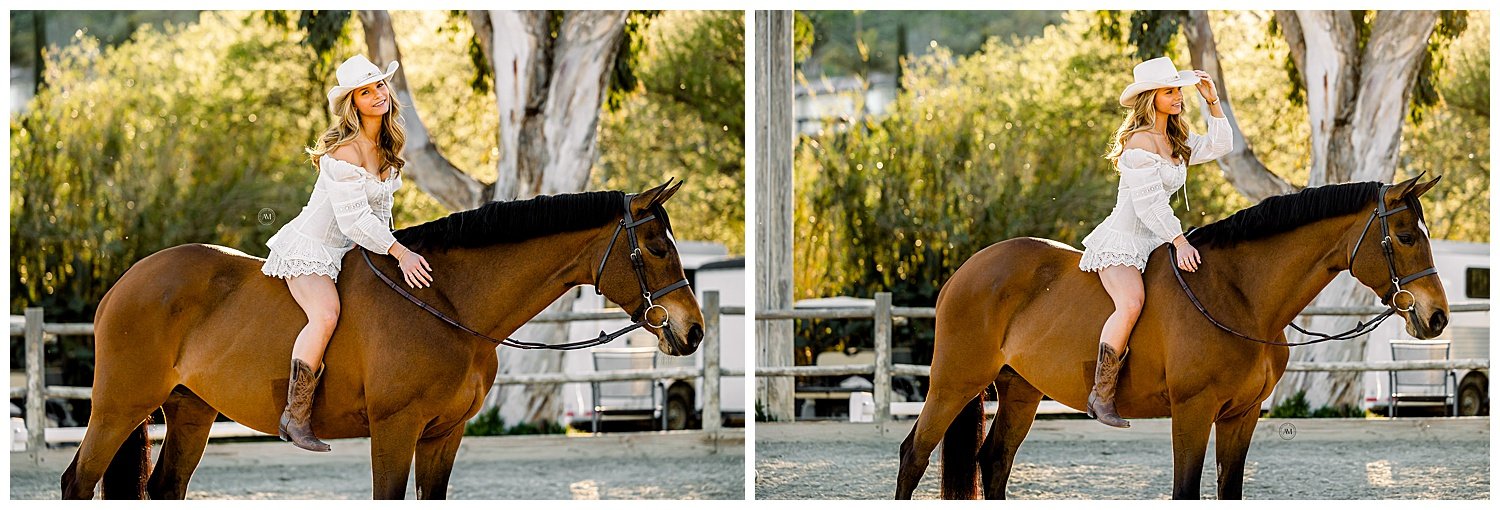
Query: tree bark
(1356,104)
(549,92)
(1362,98)
(426,165)
(1240,166)
(1331,68)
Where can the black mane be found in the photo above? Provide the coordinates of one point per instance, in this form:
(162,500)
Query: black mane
(515,221)
(1283,213)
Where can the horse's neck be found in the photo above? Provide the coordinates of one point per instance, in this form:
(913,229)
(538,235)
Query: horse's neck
(496,289)
(1272,280)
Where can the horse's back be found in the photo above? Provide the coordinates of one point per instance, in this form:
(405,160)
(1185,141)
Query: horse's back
(1022,302)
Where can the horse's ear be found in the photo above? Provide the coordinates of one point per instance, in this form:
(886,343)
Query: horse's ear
(1400,189)
(1418,189)
(646,198)
(666,194)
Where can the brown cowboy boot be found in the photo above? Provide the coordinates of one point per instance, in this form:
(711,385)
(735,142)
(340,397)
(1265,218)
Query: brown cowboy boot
(296,420)
(1101,404)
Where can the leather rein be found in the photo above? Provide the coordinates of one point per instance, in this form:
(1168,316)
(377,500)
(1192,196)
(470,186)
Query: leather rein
(626,224)
(1360,328)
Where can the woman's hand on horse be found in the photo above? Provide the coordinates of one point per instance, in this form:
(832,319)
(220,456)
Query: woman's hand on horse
(1187,256)
(415,269)
(1206,86)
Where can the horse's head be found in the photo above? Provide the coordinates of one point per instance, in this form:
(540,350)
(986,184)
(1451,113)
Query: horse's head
(644,275)
(1393,257)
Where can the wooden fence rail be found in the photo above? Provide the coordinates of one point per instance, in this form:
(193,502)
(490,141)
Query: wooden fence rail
(883,313)
(37,333)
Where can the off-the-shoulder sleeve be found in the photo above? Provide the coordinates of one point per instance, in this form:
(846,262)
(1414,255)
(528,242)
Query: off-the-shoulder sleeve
(1147,195)
(1217,142)
(351,208)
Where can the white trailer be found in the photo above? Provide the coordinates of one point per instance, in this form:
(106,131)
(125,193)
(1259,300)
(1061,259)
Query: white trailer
(708,267)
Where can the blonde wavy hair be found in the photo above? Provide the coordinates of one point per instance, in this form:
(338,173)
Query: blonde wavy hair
(1142,117)
(388,147)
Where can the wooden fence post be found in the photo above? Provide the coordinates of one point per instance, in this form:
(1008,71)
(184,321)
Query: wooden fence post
(882,357)
(774,142)
(712,416)
(36,398)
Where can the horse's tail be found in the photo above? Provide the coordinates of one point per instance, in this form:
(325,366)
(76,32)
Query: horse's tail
(960,456)
(125,478)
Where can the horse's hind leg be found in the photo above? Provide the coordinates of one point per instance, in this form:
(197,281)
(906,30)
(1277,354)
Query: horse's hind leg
(945,400)
(189,420)
(1018,400)
(109,427)
(435,462)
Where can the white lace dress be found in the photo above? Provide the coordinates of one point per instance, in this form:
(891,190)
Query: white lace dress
(1142,218)
(349,205)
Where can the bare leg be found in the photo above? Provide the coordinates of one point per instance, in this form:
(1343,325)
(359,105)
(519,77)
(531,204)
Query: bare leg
(1123,283)
(319,299)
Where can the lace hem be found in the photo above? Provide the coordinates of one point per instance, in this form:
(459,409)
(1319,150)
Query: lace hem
(1094,260)
(284,268)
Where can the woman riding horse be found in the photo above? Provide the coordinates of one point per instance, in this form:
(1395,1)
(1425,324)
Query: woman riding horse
(349,205)
(1151,149)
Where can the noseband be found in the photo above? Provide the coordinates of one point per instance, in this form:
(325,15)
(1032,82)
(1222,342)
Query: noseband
(1360,328)
(626,224)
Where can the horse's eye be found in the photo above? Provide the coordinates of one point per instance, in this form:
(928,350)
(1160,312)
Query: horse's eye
(656,249)
(1406,239)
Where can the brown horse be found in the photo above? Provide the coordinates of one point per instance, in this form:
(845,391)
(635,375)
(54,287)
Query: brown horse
(1020,315)
(196,330)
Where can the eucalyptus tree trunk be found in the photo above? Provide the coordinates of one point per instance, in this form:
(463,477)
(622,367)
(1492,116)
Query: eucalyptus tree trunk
(1357,100)
(549,92)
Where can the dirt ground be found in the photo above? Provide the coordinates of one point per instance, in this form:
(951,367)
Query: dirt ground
(614,466)
(1079,459)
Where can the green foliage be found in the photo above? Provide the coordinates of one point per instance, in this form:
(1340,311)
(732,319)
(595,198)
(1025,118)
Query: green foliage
(489,423)
(1339,411)
(179,135)
(860,42)
(1453,141)
(1426,91)
(802,36)
(687,121)
(1294,406)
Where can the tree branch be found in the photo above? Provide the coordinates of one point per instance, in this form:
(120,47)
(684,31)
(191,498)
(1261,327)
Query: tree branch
(520,49)
(1240,166)
(430,170)
(1397,44)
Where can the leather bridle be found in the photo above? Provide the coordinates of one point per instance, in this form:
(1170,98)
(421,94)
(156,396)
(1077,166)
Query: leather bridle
(1360,328)
(626,224)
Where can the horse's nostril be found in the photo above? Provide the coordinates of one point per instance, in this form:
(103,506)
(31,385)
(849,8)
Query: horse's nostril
(695,335)
(1437,321)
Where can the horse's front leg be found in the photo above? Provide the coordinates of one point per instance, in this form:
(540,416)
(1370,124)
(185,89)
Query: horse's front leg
(435,462)
(1191,423)
(393,442)
(1232,444)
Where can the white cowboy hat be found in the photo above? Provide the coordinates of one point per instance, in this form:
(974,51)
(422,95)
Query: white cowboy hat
(357,72)
(1157,73)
